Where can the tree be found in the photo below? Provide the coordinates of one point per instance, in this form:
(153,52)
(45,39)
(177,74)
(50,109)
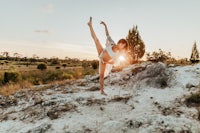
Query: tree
(158,56)
(64,65)
(195,54)
(136,45)
(55,61)
(95,64)
(10,77)
(42,66)
(17,56)
(5,54)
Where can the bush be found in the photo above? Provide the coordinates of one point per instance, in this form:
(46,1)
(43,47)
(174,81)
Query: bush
(55,61)
(1,78)
(53,75)
(95,64)
(158,56)
(88,71)
(57,67)
(64,65)
(182,62)
(10,77)
(85,64)
(42,66)
(194,98)
(67,76)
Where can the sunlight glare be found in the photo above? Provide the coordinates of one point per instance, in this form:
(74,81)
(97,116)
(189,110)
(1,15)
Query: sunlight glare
(121,58)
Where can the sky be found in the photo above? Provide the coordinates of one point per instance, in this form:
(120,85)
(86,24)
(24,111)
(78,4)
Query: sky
(58,28)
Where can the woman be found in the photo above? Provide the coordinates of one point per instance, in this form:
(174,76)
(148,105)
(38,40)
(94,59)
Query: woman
(109,55)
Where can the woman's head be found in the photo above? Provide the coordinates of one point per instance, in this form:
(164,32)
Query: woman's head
(122,44)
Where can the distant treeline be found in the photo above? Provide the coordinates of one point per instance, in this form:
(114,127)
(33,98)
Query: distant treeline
(67,62)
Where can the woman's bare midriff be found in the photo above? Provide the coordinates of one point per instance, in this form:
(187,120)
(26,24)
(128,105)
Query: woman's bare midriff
(106,57)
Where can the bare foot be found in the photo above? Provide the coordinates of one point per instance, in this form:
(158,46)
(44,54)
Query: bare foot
(90,22)
(103,93)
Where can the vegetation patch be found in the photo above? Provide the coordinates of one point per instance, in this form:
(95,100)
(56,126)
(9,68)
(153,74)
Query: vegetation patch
(119,99)
(10,89)
(11,77)
(93,88)
(93,101)
(193,99)
(55,112)
(42,66)
(7,102)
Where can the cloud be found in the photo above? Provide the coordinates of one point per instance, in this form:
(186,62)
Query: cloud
(47,32)
(48,8)
(42,31)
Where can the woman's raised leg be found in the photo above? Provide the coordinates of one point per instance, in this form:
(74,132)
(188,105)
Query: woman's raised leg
(96,40)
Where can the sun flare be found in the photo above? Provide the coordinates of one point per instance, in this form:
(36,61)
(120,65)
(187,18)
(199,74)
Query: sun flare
(121,58)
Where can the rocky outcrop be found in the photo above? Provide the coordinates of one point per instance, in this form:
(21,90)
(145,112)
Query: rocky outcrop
(147,97)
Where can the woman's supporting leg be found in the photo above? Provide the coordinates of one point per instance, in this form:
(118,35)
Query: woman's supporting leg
(96,40)
(101,78)
(102,65)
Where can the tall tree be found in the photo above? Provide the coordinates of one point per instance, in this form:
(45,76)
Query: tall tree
(6,54)
(136,45)
(195,54)
(17,56)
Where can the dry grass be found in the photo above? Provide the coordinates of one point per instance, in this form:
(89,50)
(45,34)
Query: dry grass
(60,84)
(117,98)
(178,62)
(10,89)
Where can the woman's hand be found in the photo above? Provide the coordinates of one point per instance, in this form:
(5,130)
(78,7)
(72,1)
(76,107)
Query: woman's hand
(106,29)
(102,22)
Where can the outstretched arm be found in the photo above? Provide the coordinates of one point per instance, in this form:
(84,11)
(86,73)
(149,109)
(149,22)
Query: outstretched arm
(106,29)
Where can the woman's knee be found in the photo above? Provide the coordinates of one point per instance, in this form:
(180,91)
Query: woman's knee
(101,76)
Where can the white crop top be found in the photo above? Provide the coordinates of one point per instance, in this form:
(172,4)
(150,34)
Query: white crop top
(109,44)
(110,51)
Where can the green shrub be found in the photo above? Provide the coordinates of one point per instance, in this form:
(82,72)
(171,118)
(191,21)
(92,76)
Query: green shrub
(162,81)
(158,56)
(95,64)
(36,81)
(42,66)
(10,77)
(88,71)
(57,67)
(53,75)
(1,78)
(67,76)
(64,65)
(85,64)
(55,61)
(194,98)
(50,76)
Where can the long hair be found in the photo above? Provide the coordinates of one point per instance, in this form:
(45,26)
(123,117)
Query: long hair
(124,41)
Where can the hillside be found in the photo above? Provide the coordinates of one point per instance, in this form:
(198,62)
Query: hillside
(144,98)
